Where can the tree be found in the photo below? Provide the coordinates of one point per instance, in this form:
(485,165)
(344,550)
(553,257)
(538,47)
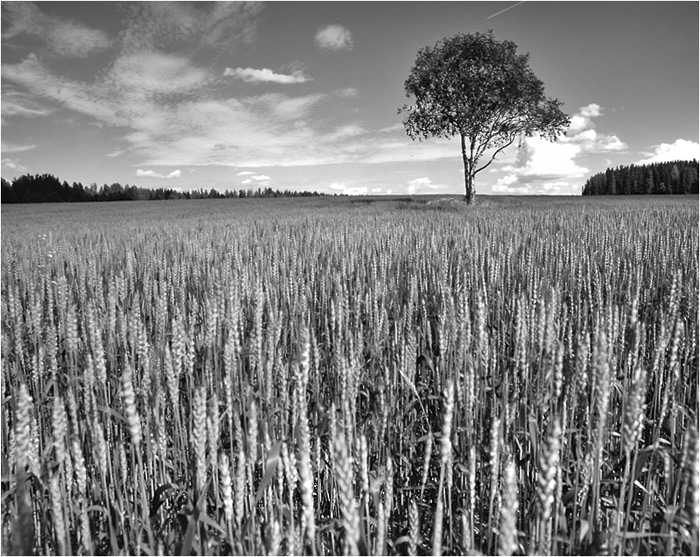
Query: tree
(676,179)
(483,91)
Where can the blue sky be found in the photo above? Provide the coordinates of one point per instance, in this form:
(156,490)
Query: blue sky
(304,95)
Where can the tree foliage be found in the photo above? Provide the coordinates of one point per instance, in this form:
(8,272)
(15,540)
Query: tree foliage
(46,188)
(482,90)
(674,177)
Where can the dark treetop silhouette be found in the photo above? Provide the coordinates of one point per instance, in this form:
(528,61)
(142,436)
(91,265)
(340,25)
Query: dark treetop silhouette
(483,91)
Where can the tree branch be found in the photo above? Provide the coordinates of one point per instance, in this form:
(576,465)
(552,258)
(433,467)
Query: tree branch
(494,155)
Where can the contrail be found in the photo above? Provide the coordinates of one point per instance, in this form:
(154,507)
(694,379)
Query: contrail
(508,8)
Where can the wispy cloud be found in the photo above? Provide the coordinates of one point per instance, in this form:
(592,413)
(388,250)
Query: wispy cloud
(679,150)
(62,37)
(189,26)
(15,148)
(252,75)
(178,108)
(14,164)
(259,180)
(334,38)
(152,174)
(15,103)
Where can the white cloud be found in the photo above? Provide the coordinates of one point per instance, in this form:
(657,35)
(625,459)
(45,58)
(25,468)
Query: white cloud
(582,120)
(245,173)
(346,131)
(581,132)
(151,174)
(550,188)
(259,180)
(62,36)
(220,26)
(15,148)
(252,75)
(420,185)
(176,112)
(681,149)
(348,93)
(334,37)
(277,107)
(539,163)
(15,103)
(149,74)
(543,167)
(341,188)
(14,165)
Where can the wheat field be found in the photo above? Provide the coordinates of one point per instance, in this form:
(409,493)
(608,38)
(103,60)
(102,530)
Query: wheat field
(335,377)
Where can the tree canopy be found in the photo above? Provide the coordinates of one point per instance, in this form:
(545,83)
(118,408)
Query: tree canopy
(46,188)
(672,177)
(482,90)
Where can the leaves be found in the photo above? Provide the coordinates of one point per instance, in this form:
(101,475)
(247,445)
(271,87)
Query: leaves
(482,90)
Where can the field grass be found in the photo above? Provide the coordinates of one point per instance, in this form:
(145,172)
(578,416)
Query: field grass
(351,375)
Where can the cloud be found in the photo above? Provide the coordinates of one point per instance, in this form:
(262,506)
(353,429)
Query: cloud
(420,185)
(151,174)
(95,101)
(348,93)
(346,131)
(245,173)
(550,188)
(342,189)
(189,26)
(15,103)
(681,149)
(260,178)
(581,132)
(251,75)
(14,165)
(543,167)
(538,163)
(582,120)
(15,148)
(276,107)
(149,74)
(257,180)
(172,111)
(334,37)
(62,36)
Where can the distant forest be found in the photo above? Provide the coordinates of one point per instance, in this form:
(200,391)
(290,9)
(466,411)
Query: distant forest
(45,188)
(657,178)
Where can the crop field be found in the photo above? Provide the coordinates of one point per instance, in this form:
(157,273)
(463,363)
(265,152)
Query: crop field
(343,376)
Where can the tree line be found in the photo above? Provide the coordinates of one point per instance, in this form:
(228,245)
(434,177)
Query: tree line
(675,177)
(46,188)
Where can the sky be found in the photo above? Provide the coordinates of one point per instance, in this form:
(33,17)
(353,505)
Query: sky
(305,95)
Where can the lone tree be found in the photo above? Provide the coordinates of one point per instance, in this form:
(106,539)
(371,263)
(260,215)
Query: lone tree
(482,90)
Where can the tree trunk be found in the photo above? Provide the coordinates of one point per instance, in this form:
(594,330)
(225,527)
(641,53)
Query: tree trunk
(468,174)
(469,187)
